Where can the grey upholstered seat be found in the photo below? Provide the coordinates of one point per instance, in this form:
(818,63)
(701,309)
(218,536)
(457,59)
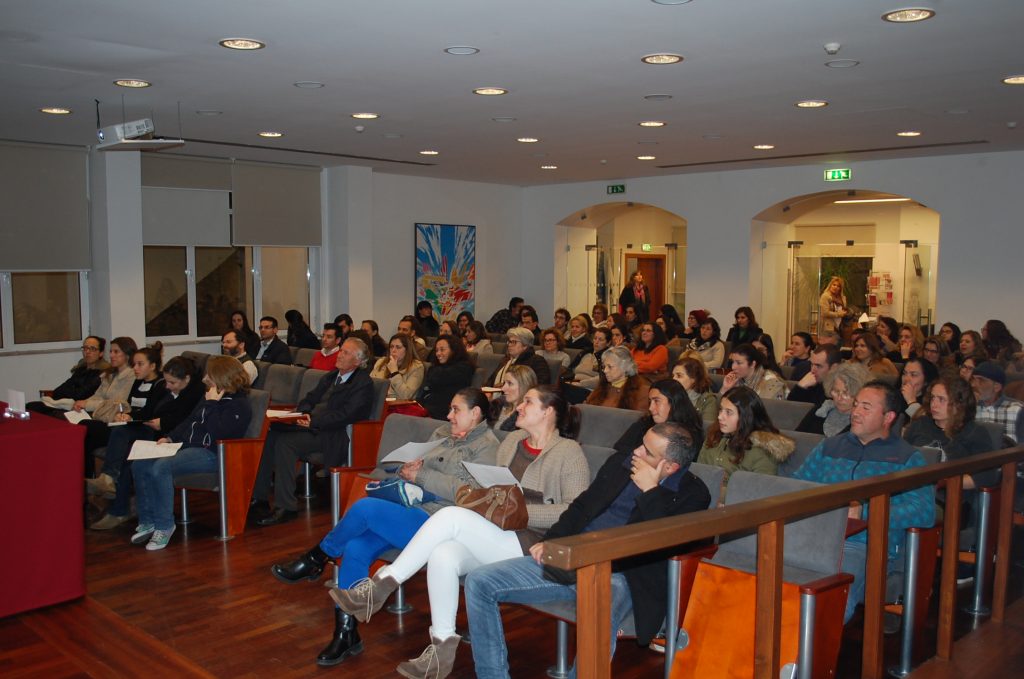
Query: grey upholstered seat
(199,358)
(283,382)
(786,414)
(805,443)
(604,426)
(310,378)
(303,357)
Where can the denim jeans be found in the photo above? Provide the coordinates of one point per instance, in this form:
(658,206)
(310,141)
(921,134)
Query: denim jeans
(369,528)
(120,445)
(154,482)
(520,581)
(855,558)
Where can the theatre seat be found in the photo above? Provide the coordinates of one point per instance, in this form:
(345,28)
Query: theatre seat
(805,443)
(604,426)
(283,382)
(786,414)
(303,357)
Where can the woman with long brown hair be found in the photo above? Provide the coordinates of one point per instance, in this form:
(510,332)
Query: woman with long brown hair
(744,437)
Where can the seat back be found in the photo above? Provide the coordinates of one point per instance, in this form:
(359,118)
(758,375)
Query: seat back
(310,378)
(380,397)
(596,457)
(930,455)
(716,382)
(996,433)
(479,376)
(259,400)
(805,443)
(554,370)
(401,429)
(604,426)
(786,371)
(712,477)
(673,355)
(199,358)
(572,353)
(294,352)
(304,357)
(489,363)
(262,368)
(786,414)
(283,382)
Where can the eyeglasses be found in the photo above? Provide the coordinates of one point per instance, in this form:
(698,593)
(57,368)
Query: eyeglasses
(840,395)
(86,347)
(512,341)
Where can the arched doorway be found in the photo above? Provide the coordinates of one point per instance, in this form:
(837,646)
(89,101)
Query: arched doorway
(598,248)
(885,246)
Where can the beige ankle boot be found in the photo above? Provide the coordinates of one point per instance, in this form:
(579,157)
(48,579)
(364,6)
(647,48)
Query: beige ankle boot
(435,662)
(366,597)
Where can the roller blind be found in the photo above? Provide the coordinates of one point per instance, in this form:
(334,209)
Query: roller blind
(185,173)
(275,205)
(185,217)
(44,211)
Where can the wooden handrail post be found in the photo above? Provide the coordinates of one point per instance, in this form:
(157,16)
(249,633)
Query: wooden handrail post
(1003,541)
(768,612)
(594,611)
(875,572)
(950,554)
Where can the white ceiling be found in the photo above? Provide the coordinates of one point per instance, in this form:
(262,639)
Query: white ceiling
(572,67)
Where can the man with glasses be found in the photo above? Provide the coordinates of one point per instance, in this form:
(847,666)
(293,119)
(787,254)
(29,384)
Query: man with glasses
(83,381)
(987,382)
(271,348)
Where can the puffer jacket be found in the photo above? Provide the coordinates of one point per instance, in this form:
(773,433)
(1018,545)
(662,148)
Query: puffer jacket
(767,451)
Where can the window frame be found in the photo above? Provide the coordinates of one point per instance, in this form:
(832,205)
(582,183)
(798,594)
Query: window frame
(7,343)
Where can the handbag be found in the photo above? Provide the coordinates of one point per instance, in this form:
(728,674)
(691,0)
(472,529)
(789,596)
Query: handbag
(396,490)
(504,506)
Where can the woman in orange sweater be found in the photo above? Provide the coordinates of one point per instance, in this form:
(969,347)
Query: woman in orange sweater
(651,354)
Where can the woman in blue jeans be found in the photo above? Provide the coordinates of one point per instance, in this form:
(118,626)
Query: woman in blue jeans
(223,414)
(372,526)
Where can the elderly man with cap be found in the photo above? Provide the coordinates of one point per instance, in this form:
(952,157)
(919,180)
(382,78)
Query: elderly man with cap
(987,382)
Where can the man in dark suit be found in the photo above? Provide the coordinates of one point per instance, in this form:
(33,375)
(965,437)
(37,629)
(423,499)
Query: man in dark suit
(341,397)
(271,349)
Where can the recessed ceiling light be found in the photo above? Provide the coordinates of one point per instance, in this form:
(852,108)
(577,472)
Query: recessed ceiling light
(490,91)
(871,200)
(366,116)
(56,110)
(842,63)
(908,15)
(651,123)
(242,44)
(131,82)
(549,167)
(271,134)
(527,140)
(661,58)
(429,152)
(461,50)
(504,119)
(908,133)
(645,158)
(811,103)
(1013,80)
(657,97)
(308,84)
(764,147)
(208,112)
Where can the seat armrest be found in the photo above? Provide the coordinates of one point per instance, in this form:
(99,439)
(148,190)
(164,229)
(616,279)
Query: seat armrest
(826,584)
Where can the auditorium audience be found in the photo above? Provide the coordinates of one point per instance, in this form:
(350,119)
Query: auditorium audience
(766,345)
(809,389)
(743,437)
(988,380)
(462,322)
(552,342)
(505,319)
(448,328)
(709,346)
(798,355)
(693,376)
(833,415)
(620,387)
(691,330)
(240,324)
(115,383)
(950,332)
(832,308)
(519,351)
(868,353)
(476,339)
(425,317)
(401,368)
(232,344)
(561,322)
(637,295)
(588,369)
(936,351)
(669,403)
(999,343)
(411,327)
(651,354)
(917,374)
(270,348)
(599,314)
(747,368)
(450,371)
(518,380)
(378,347)
(745,329)
(330,343)
(84,379)
(299,333)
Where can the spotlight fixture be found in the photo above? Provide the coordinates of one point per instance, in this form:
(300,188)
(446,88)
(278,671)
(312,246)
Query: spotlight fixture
(1013,80)
(764,147)
(661,58)
(527,140)
(490,91)
(646,158)
(811,103)
(429,152)
(132,82)
(271,134)
(908,133)
(308,84)
(651,123)
(366,116)
(462,50)
(56,110)
(549,167)
(242,44)
(908,15)
(842,63)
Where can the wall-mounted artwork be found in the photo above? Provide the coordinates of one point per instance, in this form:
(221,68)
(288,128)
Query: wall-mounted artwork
(446,268)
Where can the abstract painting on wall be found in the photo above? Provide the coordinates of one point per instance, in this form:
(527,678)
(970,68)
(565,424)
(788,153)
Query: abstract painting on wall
(446,268)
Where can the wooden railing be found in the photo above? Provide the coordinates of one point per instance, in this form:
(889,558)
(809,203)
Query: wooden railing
(591,554)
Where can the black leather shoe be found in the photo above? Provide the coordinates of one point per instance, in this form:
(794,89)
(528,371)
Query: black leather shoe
(259,509)
(279,515)
(344,642)
(309,566)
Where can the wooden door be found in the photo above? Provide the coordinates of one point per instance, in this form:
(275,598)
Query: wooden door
(653,269)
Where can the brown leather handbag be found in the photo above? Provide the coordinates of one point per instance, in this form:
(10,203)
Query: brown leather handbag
(504,506)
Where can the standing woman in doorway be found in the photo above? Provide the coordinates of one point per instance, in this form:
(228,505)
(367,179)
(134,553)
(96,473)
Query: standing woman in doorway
(832,306)
(637,295)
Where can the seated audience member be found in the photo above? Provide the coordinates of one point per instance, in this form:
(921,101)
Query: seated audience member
(330,343)
(651,354)
(809,389)
(561,321)
(745,329)
(709,346)
(669,403)
(429,326)
(347,325)
(887,331)
(915,377)
(410,326)
(631,317)
(691,330)
(588,369)
(971,345)
(936,351)
(110,398)
(743,437)
(833,415)
(448,328)
(84,380)
(528,319)
(401,368)
(341,397)
(580,331)
(908,345)
(519,351)
(950,332)
(999,343)
(987,381)
(798,355)
(868,353)
(271,349)
(621,335)
(747,369)
(947,421)
(240,324)
(299,333)
(456,541)
(184,391)
(870,449)
(504,320)
(373,525)
(673,325)
(832,307)
(966,369)
(223,414)
(621,386)
(636,295)
(652,482)
(552,342)
(599,315)
(829,337)
(693,376)
(233,344)
(450,371)
(518,380)
(766,345)
(476,339)
(378,347)
(462,321)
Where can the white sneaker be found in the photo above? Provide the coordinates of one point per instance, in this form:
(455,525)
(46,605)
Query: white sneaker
(142,533)
(160,539)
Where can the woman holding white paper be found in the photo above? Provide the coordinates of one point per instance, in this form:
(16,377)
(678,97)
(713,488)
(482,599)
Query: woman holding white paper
(373,525)
(552,472)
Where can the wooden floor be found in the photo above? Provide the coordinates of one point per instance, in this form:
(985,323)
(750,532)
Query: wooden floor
(207,608)
(990,651)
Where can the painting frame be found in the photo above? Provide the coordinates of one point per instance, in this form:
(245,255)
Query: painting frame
(446,268)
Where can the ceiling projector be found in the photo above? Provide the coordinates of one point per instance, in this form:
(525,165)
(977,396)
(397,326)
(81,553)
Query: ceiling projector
(136,135)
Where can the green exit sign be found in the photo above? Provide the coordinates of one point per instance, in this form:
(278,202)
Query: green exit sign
(646,247)
(616,188)
(842,174)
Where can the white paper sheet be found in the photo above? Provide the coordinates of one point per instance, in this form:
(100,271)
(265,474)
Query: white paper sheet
(489,475)
(283,414)
(61,403)
(74,416)
(144,450)
(409,452)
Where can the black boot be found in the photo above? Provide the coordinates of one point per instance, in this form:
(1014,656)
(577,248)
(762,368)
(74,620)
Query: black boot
(344,642)
(309,566)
